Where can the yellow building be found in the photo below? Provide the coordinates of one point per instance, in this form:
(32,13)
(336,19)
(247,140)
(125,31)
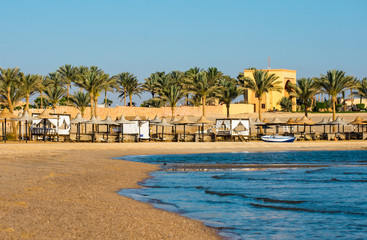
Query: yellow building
(271,100)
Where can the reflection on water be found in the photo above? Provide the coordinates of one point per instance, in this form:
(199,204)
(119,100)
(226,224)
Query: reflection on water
(327,199)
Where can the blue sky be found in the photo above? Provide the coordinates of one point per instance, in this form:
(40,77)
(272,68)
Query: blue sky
(142,37)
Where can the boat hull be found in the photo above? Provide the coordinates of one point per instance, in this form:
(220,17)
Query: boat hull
(278,139)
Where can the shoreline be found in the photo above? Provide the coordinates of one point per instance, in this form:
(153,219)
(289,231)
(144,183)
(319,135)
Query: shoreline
(69,190)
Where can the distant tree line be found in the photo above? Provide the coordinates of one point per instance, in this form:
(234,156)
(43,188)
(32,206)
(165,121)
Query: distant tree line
(193,87)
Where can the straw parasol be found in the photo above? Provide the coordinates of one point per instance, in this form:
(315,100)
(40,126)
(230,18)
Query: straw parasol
(323,122)
(5,114)
(44,116)
(358,121)
(275,121)
(163,124)
(25,117)
(155,120)
(339,121)
(305,121)
(121,122)
(93,120)
(78,120)
(108,121)
(203,120)
(184,121)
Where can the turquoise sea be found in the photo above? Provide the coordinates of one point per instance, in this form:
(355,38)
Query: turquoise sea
(274,195)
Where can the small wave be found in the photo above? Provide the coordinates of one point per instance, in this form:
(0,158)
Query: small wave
(353,173)
(315,170)
(224,194)
(158,201)
(304,209)
(201,187)
(271,200)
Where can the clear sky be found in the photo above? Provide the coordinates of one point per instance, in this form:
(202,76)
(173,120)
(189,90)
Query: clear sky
(145,36)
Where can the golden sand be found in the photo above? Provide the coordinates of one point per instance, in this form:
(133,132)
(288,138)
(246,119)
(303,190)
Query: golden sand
(68,191)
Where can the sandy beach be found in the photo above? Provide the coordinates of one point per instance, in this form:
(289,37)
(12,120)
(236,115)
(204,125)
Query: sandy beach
(69,191)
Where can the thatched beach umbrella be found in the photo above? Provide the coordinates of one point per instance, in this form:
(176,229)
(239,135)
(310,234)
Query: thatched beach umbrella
(5,114)
(258,123)
(305,121)
(94,121)
(25,117)
(184,121)
(44,116)
(202,121)
(122,121)
(78,120)
(358,121)
(163,124)
(156,120)
(290,123)
(108,121)
(339,121)
(323,122)
(275,121)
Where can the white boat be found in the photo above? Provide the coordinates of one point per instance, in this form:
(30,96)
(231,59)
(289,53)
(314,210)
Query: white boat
(276,138)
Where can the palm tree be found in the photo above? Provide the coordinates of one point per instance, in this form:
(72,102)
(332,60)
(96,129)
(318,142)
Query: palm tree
(241,82)
(261,83)
(361,88)
(190,76)
(29,84)
(68,74)
(88,81)
(150,84)
(81,101)
(204,86)
(333,83)
(108,86)
(9,78)
(128,85)
(172,95)
(41,89)
(229,91)
(122,80)
(305,90)
(98,88)
(54,94)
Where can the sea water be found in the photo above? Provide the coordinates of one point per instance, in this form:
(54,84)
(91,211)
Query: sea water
(276,195)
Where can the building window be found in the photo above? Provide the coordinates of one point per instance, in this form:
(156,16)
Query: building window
(263,106)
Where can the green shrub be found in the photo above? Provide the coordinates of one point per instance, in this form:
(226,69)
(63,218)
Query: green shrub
(320,105)
(360,106)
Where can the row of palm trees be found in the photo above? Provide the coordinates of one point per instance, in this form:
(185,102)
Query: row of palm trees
(195,86)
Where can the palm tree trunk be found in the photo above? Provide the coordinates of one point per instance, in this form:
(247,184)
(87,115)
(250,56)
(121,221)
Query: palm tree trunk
(10,104)
(27,103)
(91,105)
(131,100)
(203,102)
(41,96)
(95,105)
(227,106)
(333,99)
(125,99)
(173,110)
(306,107)
(68,89)
(261,129)
(105,99)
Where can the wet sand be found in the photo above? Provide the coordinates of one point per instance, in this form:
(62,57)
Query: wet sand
(69,191)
